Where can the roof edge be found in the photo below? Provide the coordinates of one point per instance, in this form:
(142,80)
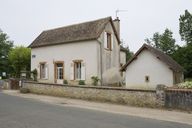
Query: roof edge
(61,43)
(145,46)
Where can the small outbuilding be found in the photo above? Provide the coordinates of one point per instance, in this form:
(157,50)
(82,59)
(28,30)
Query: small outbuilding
(150,67)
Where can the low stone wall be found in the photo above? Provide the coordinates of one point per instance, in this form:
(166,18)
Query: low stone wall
(5,84)
(140,98)
(10,84)
(178,98)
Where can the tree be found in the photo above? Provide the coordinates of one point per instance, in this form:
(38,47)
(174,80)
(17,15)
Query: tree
(125,48)
(5,47)
(183,55)
(129,53)
(185,27)
(19,58)
(164,41)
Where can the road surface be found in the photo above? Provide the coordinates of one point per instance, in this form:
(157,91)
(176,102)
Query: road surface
(17,112)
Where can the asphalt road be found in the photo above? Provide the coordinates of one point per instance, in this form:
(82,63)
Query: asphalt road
(16,112)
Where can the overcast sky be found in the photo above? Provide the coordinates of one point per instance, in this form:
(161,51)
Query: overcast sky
(24,20)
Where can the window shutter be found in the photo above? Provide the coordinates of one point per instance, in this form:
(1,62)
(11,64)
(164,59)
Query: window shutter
(112,42)
(82,71)
(105,39)
(72,71)
(46,71)
(39,71)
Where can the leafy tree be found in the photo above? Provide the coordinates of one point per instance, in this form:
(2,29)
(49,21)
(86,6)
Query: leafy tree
(129,53)
(5,47)
(19,58)
(183,55)
(154,41)
(164,41)
(185,24)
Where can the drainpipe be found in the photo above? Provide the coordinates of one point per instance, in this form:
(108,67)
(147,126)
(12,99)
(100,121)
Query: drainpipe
(101,62)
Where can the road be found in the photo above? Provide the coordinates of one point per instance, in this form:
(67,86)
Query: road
(17,112)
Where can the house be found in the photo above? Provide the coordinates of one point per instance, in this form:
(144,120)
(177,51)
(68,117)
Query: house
(150,67)
(78,52)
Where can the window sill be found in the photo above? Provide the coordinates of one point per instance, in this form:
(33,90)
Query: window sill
(107,49)
(76,80)
(43,79)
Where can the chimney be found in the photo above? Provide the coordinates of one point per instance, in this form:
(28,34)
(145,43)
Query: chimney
(116,23)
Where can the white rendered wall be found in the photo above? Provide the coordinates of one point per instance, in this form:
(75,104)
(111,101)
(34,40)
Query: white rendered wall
(114,54)
(86,51)
(147,64)
(122,57)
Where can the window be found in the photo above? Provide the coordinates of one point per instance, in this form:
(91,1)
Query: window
(109,41)
(33,56)
(77,70)
(42,70)
(146,78)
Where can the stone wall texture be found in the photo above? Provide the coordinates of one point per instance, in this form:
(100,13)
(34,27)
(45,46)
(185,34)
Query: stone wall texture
(178,98)
(142,98)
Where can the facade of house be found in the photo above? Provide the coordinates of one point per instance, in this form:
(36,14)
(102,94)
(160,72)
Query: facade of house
(77,52)
(122,56)
(122,61)
(150,67)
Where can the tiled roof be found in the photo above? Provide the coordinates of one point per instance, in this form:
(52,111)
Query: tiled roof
(73,33)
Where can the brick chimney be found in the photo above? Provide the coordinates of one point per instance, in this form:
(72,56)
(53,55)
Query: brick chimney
(116,23)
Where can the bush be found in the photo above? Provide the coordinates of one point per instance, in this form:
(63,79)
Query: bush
(186,85)
(35,74)
(65,82)
(24,90)
(81,82)
(95,80)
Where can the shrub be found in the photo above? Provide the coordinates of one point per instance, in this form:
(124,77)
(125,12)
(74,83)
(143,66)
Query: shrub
(35,74)
(24,90)
(95,80)
(187,85)
(65,82)
(81,82)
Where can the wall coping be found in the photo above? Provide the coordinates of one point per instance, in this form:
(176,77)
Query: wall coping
(178,90)
(93,87)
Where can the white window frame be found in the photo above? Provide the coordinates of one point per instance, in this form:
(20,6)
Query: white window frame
(59,73)
(77,70)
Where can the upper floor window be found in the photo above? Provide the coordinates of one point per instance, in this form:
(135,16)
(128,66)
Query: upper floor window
(33,56)
(108,41)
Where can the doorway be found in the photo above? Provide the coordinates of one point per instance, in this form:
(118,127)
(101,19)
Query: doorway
(59,72)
